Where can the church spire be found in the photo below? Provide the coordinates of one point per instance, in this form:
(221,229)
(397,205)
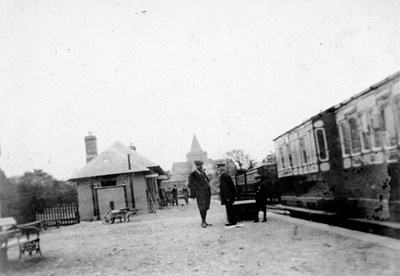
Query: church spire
(195,144)
(196,153)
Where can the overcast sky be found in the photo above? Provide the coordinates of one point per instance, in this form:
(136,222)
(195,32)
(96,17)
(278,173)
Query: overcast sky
(236,73)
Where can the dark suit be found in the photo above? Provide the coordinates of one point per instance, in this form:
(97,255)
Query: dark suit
(228,193)
(261,195)
(174,196)
(200,189)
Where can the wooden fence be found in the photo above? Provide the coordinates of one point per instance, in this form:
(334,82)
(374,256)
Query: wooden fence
(60,214)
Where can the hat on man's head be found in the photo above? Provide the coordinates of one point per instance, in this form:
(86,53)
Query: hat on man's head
(198,162)
(219,165)
(257,176)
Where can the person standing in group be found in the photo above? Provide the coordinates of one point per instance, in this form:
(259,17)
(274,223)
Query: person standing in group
(185,194)
(227,193)
(174,196)
(201,190)
(261,197)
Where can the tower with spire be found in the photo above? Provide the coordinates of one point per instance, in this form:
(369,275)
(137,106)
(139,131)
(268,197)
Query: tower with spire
(196,152)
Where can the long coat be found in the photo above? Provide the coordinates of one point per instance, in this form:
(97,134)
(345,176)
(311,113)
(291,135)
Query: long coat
(227,188)
(261,192)
(200,189)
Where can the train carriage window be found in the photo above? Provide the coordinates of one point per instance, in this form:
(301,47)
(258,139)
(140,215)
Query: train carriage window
(289,156)
(354,136)
(282,157)
(292,155)
(321,143)
(345,139)
(311,146)
(365,132)
(303,150)
(298,153)
(398,113)
(376,133)
(388,127)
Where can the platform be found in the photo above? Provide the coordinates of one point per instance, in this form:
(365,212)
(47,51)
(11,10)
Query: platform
(305,210)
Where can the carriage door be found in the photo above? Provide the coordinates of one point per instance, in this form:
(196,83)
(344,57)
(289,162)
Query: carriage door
(111,198)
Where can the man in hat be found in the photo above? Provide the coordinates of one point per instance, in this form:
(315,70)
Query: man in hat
(227,193)
(200,189)
(261,197)
(174,196)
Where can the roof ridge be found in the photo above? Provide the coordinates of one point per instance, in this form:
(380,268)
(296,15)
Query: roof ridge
(125,156)
(146,159)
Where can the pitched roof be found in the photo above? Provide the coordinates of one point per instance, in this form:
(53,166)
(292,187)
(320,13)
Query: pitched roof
(181,168)
(114,160)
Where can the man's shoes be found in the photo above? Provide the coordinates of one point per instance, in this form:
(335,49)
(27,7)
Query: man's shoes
(264,220)
(203,224)
(230,224)
(208,224)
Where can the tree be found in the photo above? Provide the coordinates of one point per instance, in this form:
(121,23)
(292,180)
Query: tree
(33,192)
(240,158)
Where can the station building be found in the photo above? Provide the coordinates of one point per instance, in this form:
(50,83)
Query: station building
(117,178)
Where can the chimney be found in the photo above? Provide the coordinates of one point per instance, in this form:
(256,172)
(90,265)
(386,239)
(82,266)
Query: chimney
(132,147)
(91,147)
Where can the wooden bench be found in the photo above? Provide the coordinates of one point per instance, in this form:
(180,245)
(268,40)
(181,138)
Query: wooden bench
(26,238)
(7,223)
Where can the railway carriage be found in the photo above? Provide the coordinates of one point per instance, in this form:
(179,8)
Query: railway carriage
(246,183)
(346,159)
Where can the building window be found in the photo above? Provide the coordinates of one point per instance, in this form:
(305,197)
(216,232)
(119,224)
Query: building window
(345,139)
(321,143)
(108,183)
(354,136)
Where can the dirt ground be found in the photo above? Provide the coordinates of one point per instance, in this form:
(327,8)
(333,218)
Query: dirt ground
(171,242)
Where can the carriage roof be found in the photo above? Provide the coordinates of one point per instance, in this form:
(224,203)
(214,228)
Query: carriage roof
(335,107)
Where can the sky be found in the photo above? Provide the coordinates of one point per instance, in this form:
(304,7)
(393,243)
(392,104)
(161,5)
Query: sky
(152,73)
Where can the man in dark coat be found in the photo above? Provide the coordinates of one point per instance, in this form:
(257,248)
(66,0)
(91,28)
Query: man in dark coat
(174,196)
(227,193)
(201,190)
(261,197)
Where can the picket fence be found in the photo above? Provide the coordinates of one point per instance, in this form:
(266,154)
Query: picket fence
(60,214)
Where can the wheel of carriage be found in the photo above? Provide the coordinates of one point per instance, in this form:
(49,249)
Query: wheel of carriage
(107,220)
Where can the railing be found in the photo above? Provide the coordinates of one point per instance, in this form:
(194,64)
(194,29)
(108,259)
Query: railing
(60,214)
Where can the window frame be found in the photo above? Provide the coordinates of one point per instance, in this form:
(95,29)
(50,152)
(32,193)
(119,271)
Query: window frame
(371,113)
(344,138)
(396,104)
(361,116)
(303,149)
(383,124)
(311,146)
(325,144)
(356,132)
